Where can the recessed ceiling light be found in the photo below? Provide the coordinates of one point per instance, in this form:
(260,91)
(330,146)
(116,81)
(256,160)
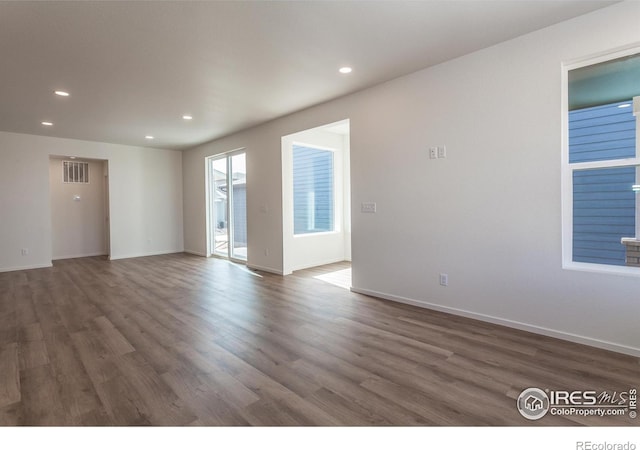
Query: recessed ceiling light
(148,136)
(345,70)
(47,124)
(72,157)
(187,117)
(624,105)
(62,93)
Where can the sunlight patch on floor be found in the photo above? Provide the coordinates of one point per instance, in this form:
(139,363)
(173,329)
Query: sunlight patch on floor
(244,268)
(340,278)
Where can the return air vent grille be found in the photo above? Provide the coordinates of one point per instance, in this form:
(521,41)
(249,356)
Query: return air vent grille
(75,172)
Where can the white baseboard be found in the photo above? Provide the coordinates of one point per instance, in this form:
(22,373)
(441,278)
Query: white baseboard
(140,255)
(264,269)
(193,252)
(34,266)
(84,255)
(318,263)
(612,346)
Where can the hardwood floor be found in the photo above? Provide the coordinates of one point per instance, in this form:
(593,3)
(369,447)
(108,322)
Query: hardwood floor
(183,340)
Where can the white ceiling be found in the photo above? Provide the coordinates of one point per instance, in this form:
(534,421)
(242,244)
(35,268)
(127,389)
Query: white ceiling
(134,68)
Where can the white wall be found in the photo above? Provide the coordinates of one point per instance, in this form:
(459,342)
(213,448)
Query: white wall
(145,195)
(77,226)
(264,196)
(310,250)
(489,215)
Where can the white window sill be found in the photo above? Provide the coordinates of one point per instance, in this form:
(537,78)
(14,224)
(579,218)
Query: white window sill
(320,233)
(602,268)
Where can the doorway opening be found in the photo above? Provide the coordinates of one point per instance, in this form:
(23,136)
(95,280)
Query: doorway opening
(227,204)
(79,196)
(316,203)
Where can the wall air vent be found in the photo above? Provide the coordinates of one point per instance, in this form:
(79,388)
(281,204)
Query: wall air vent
(75,172)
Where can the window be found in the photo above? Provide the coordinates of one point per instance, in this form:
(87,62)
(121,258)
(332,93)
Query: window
(601,164)
(75,172)
(313,190)
(604,204)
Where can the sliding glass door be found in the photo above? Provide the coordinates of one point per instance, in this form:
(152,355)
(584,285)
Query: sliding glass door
(228,206)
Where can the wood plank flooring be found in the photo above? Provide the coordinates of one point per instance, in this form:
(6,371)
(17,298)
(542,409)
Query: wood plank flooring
(183,340)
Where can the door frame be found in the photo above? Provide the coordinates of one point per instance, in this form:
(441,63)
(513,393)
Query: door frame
(210,209)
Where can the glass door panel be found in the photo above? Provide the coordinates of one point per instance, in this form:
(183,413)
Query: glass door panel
(220,207)
(239,206)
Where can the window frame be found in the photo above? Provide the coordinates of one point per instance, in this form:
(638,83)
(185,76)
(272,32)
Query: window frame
(567,168)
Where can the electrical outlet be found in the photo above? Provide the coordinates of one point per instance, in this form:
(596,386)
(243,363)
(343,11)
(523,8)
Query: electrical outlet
(266,252)
(25,251)
(433,152)
(444,279)
(368,207)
